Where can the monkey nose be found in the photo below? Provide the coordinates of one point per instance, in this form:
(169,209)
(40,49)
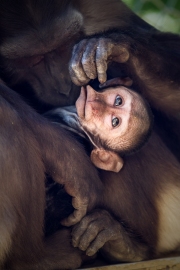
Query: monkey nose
(91,93)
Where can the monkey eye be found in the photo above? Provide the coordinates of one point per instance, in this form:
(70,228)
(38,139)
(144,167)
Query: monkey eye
(118,101)
(115,122)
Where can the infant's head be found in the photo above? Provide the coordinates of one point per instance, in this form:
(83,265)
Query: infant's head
(116,119)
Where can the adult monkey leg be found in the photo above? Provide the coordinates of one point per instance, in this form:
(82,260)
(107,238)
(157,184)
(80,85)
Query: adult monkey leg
(22,193)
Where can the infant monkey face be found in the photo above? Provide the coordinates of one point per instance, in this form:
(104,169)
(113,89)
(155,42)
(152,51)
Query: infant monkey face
(108,113)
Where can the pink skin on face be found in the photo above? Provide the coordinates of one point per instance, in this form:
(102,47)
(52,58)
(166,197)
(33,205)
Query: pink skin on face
(97,110)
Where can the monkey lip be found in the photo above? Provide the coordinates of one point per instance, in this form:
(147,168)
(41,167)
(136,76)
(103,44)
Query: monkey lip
(84,102)
(81,103)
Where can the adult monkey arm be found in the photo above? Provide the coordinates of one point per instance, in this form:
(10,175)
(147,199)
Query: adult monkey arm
(22,175)
(36,45)
(37,53)
(63,155)
(151,57)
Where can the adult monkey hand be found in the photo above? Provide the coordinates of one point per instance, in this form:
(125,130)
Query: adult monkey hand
(90,59)
(144,58)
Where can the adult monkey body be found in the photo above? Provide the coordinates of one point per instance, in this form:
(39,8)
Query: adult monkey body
(36,40)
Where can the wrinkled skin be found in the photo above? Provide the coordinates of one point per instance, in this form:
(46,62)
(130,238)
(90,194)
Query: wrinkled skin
(94,231)
(90,59)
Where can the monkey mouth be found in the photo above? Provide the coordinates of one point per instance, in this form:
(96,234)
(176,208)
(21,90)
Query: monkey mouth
(84,103)
(81,103)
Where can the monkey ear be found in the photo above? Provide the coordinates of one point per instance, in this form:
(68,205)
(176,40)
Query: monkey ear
(106,160)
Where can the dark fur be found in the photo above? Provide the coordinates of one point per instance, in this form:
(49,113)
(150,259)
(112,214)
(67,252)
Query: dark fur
(35,48)
(24,165)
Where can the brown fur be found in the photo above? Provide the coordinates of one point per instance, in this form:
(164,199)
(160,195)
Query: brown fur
(36,42)
(31,155)
(137,206)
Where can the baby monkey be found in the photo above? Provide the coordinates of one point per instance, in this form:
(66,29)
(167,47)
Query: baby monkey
(116,120)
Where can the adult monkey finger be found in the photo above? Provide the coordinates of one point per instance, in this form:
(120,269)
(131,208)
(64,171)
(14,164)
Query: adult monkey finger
(88,60)
(103,50)
(117,81)
(76,71)
(79,212)
(108,51)
(78,188)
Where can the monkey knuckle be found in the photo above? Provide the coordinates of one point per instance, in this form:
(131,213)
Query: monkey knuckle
(75,241)
(101,55)
(92,40)
(105,235)
(76,230)
(104,214)
(77,48)
(102,239)
(101,59)
(97,244)
(81,46)
(91,225)
(76,81)
(101,68)
(83,245)
(83,42)
(83,81)
(91,75)
(84,222)
(75,65)
(97,214)
(94,225)
(91,251)
(102,42)
(90,70)
(90,45)
(86,62)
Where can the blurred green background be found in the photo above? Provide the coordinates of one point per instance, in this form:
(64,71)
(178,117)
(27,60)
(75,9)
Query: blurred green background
(163,14)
